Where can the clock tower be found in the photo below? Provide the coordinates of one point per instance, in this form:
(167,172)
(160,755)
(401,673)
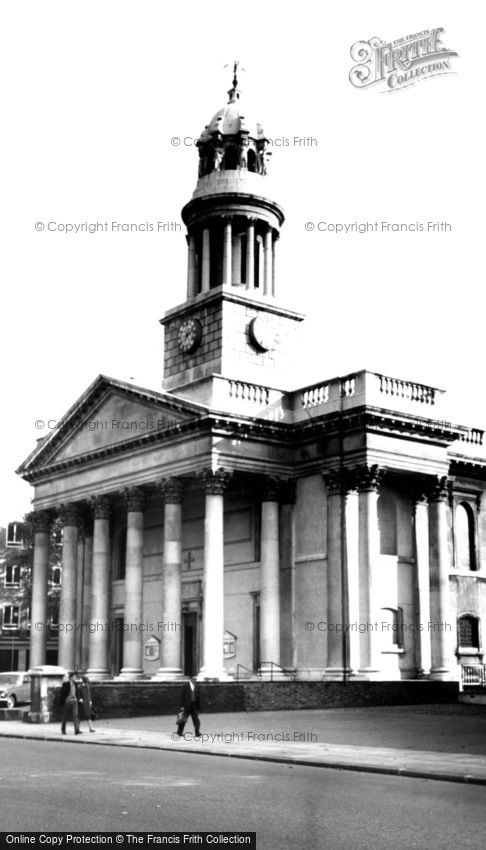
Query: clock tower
(231,324)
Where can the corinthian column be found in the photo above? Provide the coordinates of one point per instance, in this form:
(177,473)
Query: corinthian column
(270,575)
(38,633)
(67,610)
(170,668)
(213,602)
(336,648)
(369,551)
(133,612)
(99,638)
(440,625)
(421,540)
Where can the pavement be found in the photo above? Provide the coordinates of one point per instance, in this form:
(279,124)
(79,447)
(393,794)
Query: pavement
(439,742)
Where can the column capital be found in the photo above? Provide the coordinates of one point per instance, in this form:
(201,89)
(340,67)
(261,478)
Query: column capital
(368,478)
(41,521)
(271,488)
(101,507)
(418,492)
(69,514)
(337,481)
(215,483)
(288,492)
(172,490)
(440,489)
(134,498)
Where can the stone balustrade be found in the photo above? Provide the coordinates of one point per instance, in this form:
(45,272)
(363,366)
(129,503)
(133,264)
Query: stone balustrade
(370,389)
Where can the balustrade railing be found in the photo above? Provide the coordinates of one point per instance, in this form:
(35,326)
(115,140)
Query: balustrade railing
(312,396)
(249,392)
(407,390)
(474,436)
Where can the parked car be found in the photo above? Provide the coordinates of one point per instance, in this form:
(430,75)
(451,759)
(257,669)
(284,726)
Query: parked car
(14,688)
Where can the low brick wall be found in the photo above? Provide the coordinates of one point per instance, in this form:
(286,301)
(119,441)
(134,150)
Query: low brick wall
(132,699)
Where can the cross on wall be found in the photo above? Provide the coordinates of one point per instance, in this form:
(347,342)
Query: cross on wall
(189,559)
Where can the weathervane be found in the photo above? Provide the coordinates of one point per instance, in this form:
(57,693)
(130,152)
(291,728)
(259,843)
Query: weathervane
(236,65)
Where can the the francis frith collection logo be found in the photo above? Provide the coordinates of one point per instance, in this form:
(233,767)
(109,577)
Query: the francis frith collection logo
(394,65)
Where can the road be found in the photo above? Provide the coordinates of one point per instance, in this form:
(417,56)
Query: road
(49,786)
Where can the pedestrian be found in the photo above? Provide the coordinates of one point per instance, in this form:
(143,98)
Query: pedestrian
(85,701)
(189,707)
(69,702)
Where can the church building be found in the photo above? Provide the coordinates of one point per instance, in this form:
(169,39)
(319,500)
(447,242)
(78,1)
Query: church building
(230,526)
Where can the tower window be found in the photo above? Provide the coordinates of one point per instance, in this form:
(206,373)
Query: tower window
(465,537)
(251,160)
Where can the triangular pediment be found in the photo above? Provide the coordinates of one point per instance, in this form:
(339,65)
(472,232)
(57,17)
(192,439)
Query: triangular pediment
(109,414)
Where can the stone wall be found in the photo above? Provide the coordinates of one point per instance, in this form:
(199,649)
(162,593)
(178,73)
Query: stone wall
(135,699)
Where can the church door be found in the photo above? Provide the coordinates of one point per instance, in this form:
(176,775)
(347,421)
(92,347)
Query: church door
(189,625)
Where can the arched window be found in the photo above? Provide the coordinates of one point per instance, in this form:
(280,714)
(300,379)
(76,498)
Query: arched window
(465,537)
(468,632)
(387,523)
(251,160)
(231,158)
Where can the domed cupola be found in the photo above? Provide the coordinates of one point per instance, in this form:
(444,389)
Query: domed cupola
(232,220)
(232,139)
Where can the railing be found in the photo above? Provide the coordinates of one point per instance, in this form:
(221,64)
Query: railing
(290,674)
(347,388)
(474,674)
(252,673)
(312,396)
(249,392)
(474,436)
(407,389)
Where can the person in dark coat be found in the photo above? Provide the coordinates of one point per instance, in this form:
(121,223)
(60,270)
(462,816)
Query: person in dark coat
(191,707)
(69,703)
(84,700)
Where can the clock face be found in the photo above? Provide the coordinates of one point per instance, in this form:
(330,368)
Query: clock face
(263,334)
(189,336)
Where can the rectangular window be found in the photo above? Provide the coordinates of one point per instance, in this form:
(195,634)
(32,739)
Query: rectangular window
(12,575)
(14,534)
(11,617)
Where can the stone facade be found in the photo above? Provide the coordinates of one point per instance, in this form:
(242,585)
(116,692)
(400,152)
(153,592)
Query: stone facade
(230,526)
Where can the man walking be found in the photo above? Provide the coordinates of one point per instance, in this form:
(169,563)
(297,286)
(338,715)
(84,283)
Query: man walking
(190,706)
(69,702)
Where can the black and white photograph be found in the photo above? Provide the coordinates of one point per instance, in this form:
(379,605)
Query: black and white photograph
(243,502)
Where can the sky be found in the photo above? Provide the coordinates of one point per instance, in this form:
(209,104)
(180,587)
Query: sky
(95,93)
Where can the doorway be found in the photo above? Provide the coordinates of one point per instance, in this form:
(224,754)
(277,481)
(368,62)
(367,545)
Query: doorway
(117,647)
(190,641)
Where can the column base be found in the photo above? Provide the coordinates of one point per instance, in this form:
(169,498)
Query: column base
(96,675)
(369,674)
(213,675)
(168,674)
(441,674)
(336,674)
(130,674)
